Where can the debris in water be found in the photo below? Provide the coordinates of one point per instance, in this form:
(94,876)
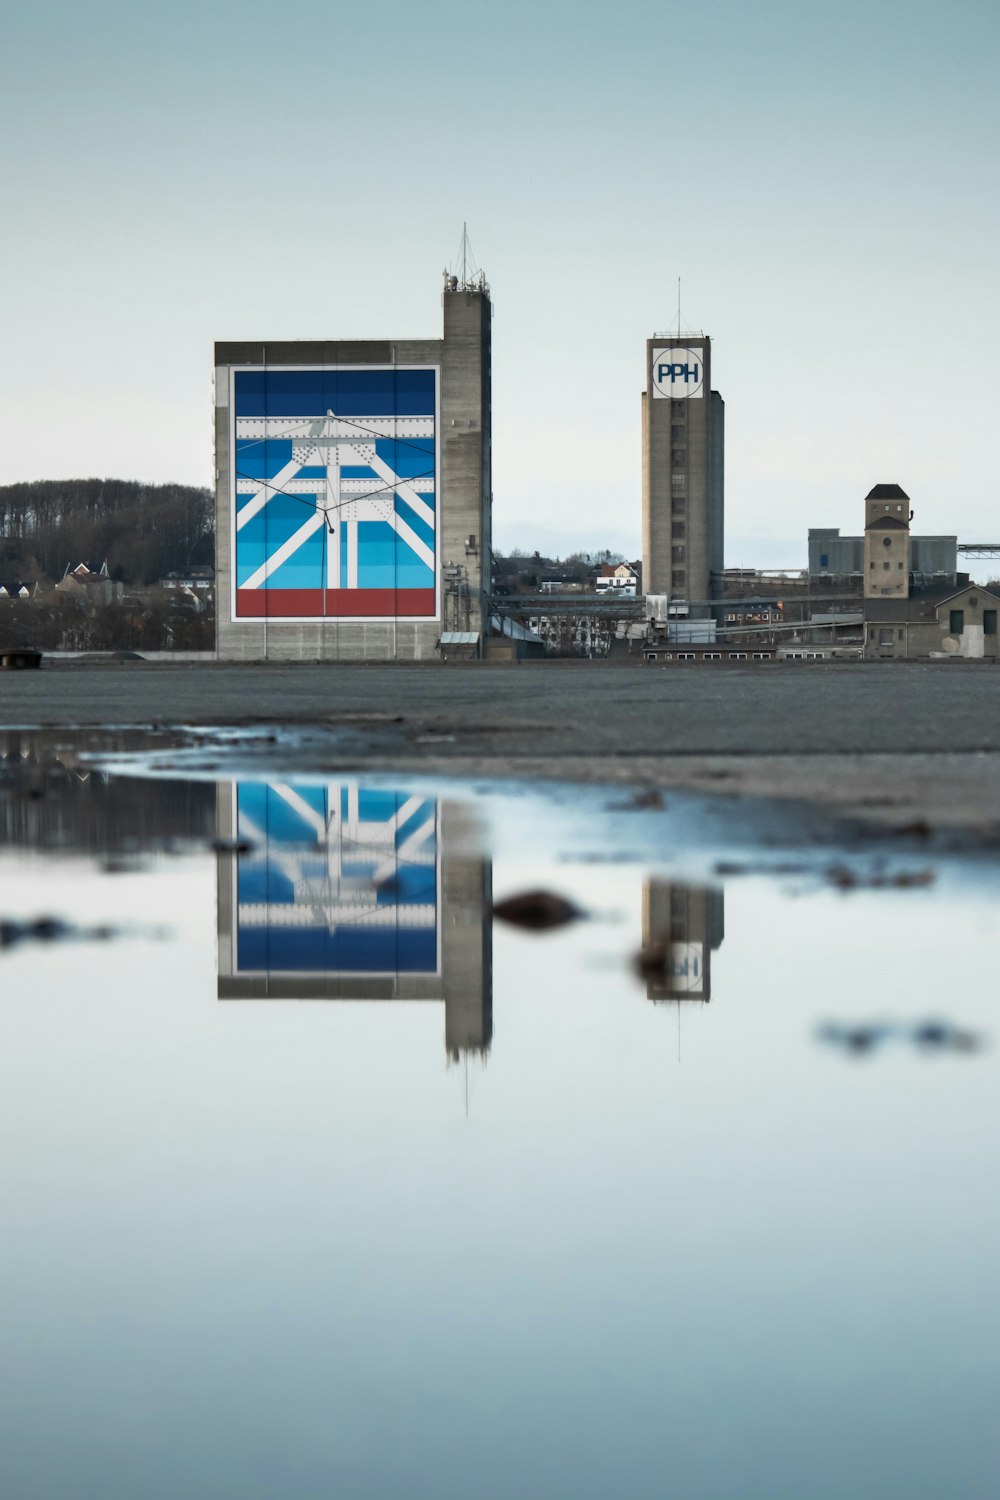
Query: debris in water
(645,797)
(846,879)
(943,1037)
(537,910)
(650,963)
(47,929)
(858,1038)
(232,846)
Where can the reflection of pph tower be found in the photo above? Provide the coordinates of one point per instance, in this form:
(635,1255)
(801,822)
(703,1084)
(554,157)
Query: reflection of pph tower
(686,923)
(683,449)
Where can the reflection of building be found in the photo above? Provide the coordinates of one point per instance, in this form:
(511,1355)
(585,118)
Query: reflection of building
(353,491)
(345,892)
(682,472)
(55,799)
(684,923)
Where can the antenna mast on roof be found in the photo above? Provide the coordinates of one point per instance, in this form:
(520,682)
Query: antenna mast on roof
(466,275)
(678,307)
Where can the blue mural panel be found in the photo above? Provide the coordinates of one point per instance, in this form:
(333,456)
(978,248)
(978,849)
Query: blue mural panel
(340,879)
(335,493)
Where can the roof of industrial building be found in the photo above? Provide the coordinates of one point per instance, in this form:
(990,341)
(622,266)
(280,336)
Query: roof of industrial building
(891,611)
(922,606)
(969,588)
(884,522)
(887,492)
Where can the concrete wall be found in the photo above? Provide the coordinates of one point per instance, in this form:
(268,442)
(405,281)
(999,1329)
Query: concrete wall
(717,485)
(887,561)
(466,461)
(934,554)
(829,552)
(463,501)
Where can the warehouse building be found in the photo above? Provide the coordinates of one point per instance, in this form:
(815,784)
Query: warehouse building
(838,562)
(353,491)
(906,615)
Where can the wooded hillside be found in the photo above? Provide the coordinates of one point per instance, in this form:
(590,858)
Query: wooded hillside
(143,531)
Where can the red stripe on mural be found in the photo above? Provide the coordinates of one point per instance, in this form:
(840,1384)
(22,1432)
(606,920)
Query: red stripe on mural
(332,604)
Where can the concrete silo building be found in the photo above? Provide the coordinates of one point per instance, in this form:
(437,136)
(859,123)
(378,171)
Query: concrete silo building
(353,491)
(683,453)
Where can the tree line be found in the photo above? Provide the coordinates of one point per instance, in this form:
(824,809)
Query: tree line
(156,623)
(143,531)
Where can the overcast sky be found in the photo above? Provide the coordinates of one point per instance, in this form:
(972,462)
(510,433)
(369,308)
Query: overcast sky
(822,178)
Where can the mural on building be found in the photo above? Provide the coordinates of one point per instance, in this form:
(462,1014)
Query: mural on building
(334,492)
(335,879)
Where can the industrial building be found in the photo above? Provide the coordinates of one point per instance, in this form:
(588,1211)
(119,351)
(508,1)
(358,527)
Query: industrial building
(353,491)
(959,624)
(840,562)
(683,456)
(906,614)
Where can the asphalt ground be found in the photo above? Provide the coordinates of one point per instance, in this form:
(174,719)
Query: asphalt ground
(568,709)
(904,738)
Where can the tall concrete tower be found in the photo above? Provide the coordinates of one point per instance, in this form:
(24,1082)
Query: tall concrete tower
(887,542)
(683,453)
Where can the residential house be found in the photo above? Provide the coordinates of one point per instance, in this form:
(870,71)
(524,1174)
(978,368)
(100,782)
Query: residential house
(619,578)
(90,585)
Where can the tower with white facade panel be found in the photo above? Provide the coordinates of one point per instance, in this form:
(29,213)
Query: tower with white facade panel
(683,452)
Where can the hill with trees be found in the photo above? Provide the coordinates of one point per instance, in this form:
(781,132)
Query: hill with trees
(142,531)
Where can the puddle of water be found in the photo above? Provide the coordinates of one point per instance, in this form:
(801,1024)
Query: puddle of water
(319,1180)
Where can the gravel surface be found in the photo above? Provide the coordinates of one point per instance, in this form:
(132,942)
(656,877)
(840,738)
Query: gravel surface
(892,739)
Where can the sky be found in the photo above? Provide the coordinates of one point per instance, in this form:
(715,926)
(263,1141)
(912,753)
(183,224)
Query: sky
(822,179)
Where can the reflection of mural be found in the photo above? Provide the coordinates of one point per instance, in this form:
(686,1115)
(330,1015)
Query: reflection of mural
(340,891)
(334,492)
(685,923)
(339,877)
